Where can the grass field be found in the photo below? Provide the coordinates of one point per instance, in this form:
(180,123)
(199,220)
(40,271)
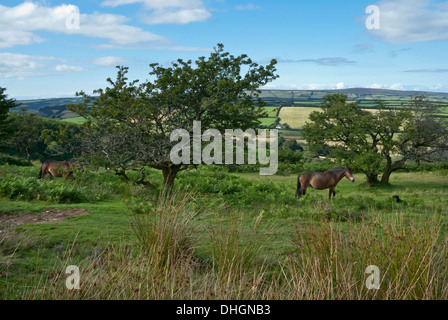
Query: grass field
(75,120)
(272,111)
(296,117)
(223,236)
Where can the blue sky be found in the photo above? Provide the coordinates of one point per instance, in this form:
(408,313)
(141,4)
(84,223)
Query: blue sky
(53,48)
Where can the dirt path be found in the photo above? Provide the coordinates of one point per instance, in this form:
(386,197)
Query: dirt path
(13,220)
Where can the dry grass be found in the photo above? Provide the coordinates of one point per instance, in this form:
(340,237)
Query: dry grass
(327,261)
(296,117)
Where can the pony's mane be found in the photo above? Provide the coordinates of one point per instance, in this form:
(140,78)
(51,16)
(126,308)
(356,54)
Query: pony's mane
(338,169)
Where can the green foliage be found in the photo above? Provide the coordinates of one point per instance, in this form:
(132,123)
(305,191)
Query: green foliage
(129,124)
(24,185)
(20,188)
(165,231)
(232,188)
(5,106)
(243,236)
(364,140)
(12,160)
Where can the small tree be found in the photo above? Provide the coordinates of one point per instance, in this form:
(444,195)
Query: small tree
(129,124)
(5,106)
(425,137)
(368,141)
(26,134)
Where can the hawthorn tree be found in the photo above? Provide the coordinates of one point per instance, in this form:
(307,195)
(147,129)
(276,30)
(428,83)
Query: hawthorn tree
(129,123)
(380,142)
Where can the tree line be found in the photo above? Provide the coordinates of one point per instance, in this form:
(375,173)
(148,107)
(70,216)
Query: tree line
(25,137)
(128,123)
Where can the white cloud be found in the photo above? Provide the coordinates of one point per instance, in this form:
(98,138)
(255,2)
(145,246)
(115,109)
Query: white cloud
(307,86)
(18,25)
(340,85)
(182,16)
(404,21)
(20,66)
(68,68)
(108,61)
(167,11)
(331,61)
(11,38)
(248,6)
(15,65)
(375,86)
(396,86)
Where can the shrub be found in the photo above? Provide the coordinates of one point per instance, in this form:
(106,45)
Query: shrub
(12,160)
(23,188)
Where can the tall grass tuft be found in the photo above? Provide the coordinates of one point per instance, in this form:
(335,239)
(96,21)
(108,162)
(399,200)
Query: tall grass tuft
(167,231)
(239,267)
(330,263)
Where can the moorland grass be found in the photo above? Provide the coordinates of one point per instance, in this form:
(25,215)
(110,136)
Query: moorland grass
(233,236)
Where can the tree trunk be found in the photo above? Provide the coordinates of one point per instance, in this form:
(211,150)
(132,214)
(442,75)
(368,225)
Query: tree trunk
(28,156)
(387,171)
(372,179)
(391,167)
(169,174)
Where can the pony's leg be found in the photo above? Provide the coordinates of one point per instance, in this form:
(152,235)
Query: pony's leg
(299,188)
(331,192)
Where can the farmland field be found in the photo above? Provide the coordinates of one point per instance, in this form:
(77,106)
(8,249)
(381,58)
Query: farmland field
(272,111)
(267,121)
(242,236)
(295,117)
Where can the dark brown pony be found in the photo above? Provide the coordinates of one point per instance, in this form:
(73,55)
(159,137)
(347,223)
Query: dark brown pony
(57,169)
(322,180)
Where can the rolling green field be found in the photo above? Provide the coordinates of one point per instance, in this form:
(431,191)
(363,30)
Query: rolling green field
(56,107)
(75,120)
(222,236)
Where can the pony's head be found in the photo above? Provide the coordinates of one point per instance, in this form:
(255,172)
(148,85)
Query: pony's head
(349,175)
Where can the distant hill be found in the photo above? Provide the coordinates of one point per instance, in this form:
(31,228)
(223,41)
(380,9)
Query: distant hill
(361,95)
(56,107)
(50,108)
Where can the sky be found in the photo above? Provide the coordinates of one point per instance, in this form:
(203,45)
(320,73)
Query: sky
(52,49)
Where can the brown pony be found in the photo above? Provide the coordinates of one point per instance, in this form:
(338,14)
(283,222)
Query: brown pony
(323,180)
(57,169)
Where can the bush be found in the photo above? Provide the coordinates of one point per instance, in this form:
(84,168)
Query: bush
(21,188)
(234,189)
(11,160)
(59,191)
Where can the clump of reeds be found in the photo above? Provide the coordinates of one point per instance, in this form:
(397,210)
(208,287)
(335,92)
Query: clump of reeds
(330,262)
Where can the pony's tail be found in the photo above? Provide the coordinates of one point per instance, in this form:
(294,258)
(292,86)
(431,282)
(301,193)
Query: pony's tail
(299,186)
(40,172)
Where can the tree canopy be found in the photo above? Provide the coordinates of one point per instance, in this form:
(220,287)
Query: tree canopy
(5,106)
(377,142)
(129,123)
